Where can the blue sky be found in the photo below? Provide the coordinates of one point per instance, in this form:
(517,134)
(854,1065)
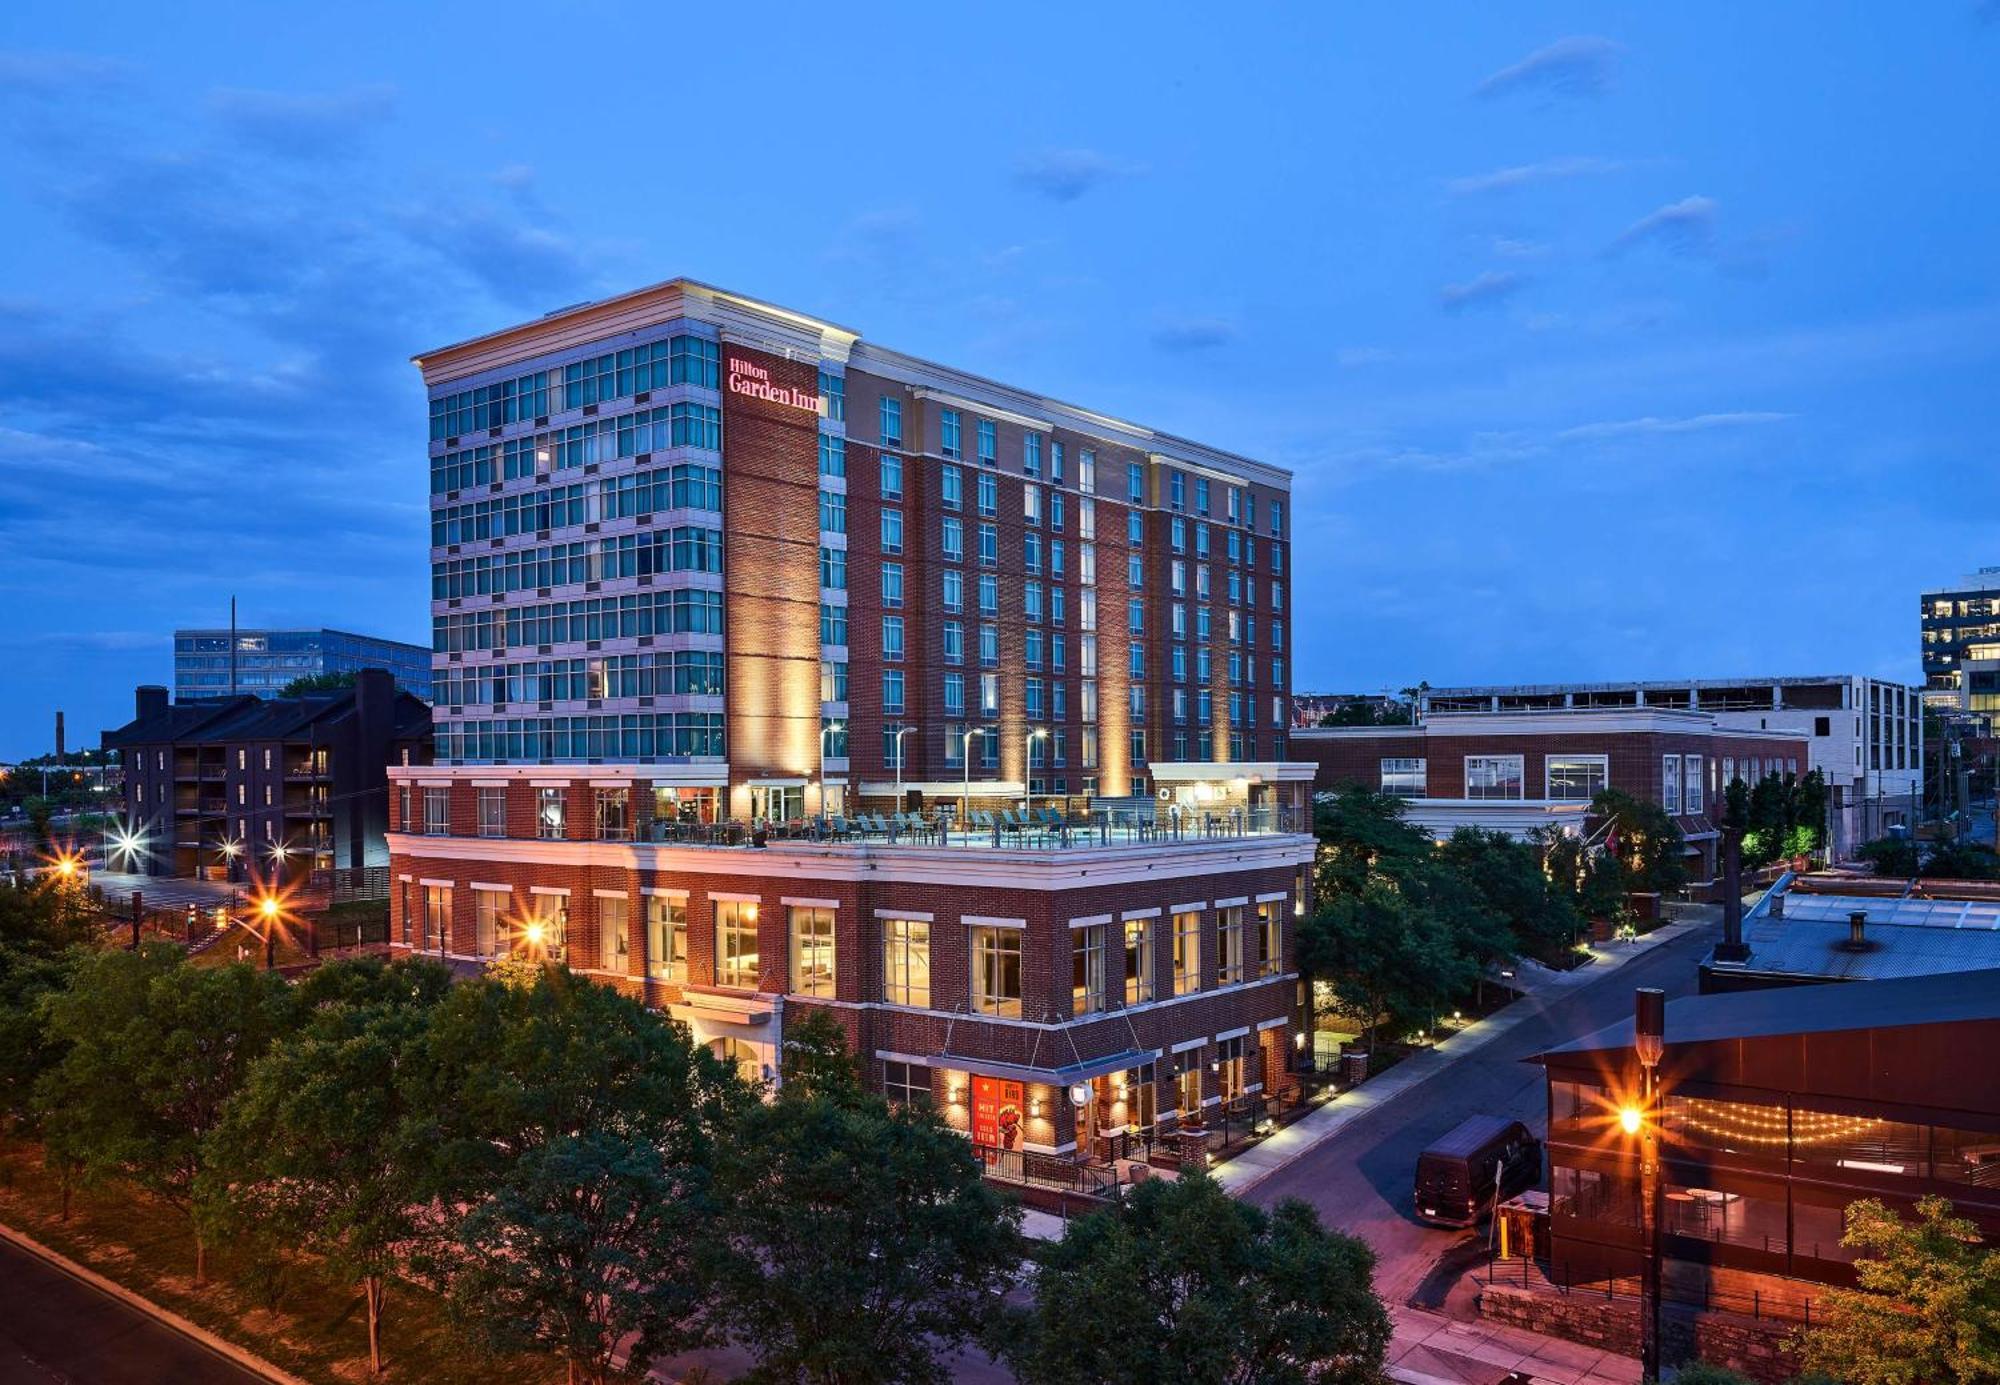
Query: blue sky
(1605,340)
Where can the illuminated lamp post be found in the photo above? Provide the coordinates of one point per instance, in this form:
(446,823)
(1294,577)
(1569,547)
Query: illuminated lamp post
(965,760)
(267,910)
(901,732)
(1649,1024)
(1028,766)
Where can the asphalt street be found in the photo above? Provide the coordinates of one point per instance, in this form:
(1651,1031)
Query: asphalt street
(1360,1178)
(55,1330)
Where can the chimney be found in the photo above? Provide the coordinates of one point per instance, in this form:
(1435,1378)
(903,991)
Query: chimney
(61,753)
(1732,947)
(150,701)
(1777,906)
(1857,930)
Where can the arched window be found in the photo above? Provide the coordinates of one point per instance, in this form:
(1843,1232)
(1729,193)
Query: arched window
(749,1066)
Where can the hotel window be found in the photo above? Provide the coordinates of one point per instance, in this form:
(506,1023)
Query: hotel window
(1670,783)
(892,585)
(812,950)
(736,944)
(906,1084)
(1270,941)
(1135,482)
(892,476)
(889,419)
(892,531)
(437,916)
(551,814)
(1031,504)
(954,539)
(954,590)
(833,569)
(1229,945)
(988,487)
(1691,778)
(1031,600)
(1086,972)
(832,740)
(892,637)
(951,488)
(489,910)
(666,937)
(1229,1067)
(437,811)
(832,512)
(1056,512)
(954,641)
(954,694)
(612,915)
(892,691)
(833,391)
(1187,952)
(996,971)
(492,812)
(948,432)
(1031,454)
(1201,495)
(1277,519)
(1575,778)
(907,961)
(989,545)
(614,814)
(833,680)
(832,455)
(1033,649)
(989,694)
(1138,961)
(989,443)
(1493,776)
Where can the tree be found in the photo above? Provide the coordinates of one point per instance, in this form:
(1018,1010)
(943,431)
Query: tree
(1707,1373)
(1391,956)
(1891,856)
(1961,860)
(1927,1307)
(579,1130)
(29,977)
(1505,877)
(155,1050)
(1361,834)
(47,913)
(323,1149)
(1182,1282)
(1645,839)
(861,1242)
(317,683)
(816,1061)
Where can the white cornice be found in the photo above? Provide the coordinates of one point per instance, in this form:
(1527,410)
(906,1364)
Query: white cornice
(964,867)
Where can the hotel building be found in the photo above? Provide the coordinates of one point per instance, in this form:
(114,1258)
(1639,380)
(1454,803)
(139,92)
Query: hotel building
(777,670)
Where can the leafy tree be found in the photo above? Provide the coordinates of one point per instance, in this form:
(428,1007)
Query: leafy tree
(1392,956)
(155,1050)
(1504,876)
(1362,834)
(579,1129)
(1927,1307)
(1891,856)
(29,977)
(1645,839)
(1961,860)
(1182,1282)
(317,683)
(1369,713)
(47,913)
(816,1060)
(861,1241)
(1707,1373)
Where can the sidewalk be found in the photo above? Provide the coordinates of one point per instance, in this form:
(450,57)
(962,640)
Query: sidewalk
(1244,1171)
(1427,1349)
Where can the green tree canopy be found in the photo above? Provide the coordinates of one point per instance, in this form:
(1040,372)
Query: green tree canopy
(1927,1307)
(317,683)
(862,1242)
(1392,956)
(154,1051)
(1645,839)
(1182,1282)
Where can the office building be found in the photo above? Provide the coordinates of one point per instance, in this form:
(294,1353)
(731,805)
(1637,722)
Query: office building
(1960,627)
(776,669)
(1523,770)
(1864,735)
(284,788)
(217,663)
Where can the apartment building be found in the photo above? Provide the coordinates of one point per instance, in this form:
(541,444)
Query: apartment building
(1518,771)
(777,669)
(1959,626)
(1864,735)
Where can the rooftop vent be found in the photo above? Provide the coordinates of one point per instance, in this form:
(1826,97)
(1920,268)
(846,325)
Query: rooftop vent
(1857,932)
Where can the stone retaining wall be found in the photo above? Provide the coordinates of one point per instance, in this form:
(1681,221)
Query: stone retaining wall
(1759,1348)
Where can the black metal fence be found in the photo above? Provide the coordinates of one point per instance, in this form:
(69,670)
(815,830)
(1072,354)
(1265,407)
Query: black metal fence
(1775,1304)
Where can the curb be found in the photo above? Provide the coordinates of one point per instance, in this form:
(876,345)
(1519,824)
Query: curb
(166,1317)
(1470,1040)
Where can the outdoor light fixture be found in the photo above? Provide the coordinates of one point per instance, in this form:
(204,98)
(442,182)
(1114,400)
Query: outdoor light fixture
(1079,1094)
(268,906)
(1630,1118)
(535,932)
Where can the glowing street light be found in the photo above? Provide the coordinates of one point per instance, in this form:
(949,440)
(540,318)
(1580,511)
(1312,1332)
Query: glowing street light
(1630,1118)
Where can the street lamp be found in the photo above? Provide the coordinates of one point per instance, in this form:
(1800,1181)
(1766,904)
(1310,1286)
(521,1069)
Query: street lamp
(1028,766)
(267,909)
(965,758)
(1649,1026)
(901,731)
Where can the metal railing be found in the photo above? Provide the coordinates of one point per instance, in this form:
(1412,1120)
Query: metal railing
(1032,1169)
(1775,1305)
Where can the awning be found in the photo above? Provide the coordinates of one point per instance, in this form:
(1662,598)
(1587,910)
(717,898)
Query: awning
(1020,1072)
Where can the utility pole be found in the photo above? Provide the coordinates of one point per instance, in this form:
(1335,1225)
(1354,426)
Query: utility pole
(1649,1022)
(232,646)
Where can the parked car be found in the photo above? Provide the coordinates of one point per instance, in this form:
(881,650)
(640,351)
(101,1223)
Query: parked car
(1466,1173)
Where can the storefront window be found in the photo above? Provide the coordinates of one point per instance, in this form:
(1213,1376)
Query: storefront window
(996,971)
(613,949)
(1086,969)
(736,944)
(1593,1195)
(1138,961)
(812,950)
(906,962)
(666,937)
(1187,952)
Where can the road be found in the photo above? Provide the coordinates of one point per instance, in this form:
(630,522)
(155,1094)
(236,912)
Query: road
(57,1329)
(1360,1178)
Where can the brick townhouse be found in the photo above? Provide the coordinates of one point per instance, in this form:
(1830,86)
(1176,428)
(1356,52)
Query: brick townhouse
(1515,771)
(778,670)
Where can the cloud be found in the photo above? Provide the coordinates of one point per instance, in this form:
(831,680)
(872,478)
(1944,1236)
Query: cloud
(1193,333)
(1490,287)
(1686,227)
(1580,65)
(1667,427)
(302,125)
(55,74)
(1063,175)
(1526,175)
(516,261)
(1351,357)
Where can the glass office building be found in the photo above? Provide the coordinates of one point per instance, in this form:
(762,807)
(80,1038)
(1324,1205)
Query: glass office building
(266,660)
